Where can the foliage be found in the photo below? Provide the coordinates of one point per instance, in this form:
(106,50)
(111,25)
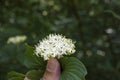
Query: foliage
(71,67)
(15,76)
(93,24)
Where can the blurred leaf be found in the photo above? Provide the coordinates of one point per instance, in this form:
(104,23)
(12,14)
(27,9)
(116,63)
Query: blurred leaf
(15,76)
(31,60)
(34,74)
(113,13)
(118,66)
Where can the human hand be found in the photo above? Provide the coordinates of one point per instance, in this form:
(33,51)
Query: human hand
(52,70)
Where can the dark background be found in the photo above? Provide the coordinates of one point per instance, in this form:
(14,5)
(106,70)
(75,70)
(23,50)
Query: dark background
(93,24)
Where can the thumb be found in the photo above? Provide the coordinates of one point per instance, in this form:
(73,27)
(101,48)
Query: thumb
(52,70)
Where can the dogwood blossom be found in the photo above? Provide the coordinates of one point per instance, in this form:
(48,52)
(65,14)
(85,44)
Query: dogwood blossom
(16,39)
(54,46)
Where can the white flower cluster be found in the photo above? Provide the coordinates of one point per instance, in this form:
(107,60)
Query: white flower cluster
(16,39)
(54,46)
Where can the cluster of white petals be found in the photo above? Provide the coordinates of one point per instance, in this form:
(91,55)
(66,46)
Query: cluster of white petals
(54,46)
(16,39)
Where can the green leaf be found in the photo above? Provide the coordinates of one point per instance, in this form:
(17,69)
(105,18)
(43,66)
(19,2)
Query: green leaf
(34,74)
(113,13)
(31,60)
(72,69)
(15,76)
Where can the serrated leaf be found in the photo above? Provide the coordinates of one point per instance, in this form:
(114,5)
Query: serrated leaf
(15,76)
(31,60)
(72,69)
(34,74)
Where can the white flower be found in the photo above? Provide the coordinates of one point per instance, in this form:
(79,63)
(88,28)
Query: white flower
(110,31)
(16,39)
(54,46)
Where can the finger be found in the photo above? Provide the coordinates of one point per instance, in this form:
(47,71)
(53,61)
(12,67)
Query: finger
(52,70)
(26,78)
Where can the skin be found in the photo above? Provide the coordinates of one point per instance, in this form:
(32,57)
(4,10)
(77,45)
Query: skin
(52,70)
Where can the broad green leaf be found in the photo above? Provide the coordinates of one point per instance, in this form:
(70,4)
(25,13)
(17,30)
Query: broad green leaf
(72,69)
(34,74)
(31,60)
(15,76)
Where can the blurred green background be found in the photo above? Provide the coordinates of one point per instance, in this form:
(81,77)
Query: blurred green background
(93,24)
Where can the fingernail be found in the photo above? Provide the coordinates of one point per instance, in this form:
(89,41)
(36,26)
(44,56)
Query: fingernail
(51,66)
